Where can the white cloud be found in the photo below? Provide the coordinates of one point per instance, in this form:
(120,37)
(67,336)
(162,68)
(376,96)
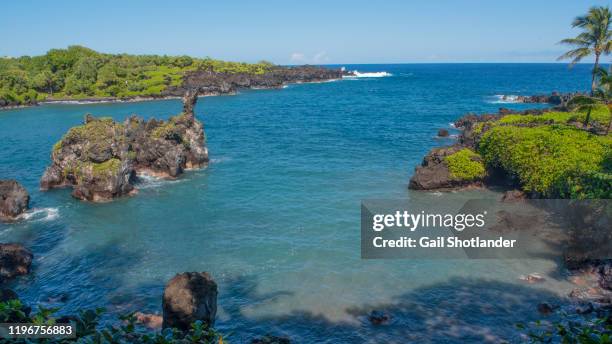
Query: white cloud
(297,57)
(318,58)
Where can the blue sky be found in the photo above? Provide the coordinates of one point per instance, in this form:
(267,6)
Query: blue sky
(291,32)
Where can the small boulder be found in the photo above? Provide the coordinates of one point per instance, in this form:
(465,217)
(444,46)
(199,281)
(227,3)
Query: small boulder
(545,308)
(442,133)
(188,297)
(14,199)
(15,260)
(269,339)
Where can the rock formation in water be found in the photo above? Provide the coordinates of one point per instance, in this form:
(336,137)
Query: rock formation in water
(15,260)
(100,158)
(188,297)
(14,199)
(554,98)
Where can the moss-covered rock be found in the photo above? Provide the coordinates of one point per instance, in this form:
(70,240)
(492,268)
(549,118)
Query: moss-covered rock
(101,157)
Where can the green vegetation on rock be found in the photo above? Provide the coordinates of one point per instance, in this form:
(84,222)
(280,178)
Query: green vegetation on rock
(465,165)
(552,160)
(78,72)
(600,114)
(110,166)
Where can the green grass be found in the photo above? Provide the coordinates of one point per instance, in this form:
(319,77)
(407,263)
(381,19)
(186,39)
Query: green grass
(465,165)
(553,160)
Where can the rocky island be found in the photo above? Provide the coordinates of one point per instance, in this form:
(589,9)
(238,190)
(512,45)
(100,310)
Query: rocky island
(101,158)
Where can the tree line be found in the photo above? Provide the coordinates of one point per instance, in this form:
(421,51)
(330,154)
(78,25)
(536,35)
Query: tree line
(80,72)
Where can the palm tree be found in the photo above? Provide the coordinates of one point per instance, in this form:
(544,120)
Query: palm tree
(584,103)
(594,39)
(604,92)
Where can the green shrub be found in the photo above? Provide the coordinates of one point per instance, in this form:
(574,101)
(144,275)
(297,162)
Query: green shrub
(465,165)
(553,161)
(90,330)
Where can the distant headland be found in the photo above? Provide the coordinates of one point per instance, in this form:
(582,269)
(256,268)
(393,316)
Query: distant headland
(79,74)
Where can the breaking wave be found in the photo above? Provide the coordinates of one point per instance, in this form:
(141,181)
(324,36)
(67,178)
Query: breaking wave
(357,74)
(40,214)
(147,181)
(503,99)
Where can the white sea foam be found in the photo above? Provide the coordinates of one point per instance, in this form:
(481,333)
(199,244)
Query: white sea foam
(503,99)
(147,181)
(357,74)
(220,159)
(452,125)
(40,214)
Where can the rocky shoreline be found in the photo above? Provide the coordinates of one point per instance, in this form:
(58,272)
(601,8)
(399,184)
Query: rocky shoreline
(211,83)
(459,166)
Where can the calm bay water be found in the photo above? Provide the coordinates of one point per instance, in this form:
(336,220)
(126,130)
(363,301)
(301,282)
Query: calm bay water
(275,216)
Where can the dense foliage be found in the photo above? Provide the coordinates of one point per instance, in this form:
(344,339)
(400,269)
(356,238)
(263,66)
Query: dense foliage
(89,330)
(79,72)
(552,160)
(465,165)
(599,115)
(576,330)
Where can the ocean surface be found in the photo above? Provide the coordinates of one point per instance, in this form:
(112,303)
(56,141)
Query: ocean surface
(275,216)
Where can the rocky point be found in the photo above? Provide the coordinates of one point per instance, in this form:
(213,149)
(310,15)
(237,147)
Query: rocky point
(101,158)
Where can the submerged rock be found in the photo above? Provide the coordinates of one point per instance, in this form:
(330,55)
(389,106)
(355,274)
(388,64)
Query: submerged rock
(152,321)
(379,317)
(188,297)
(100,158)
(15,260)
(269,339)
(14,199)
(443,133)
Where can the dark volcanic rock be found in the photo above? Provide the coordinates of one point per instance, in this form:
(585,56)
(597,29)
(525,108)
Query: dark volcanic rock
(212,83)
(101,157)
(7,295)
(545,308)
(188,297)
(15,260)
(379,317)
(14,199)
(434,173)
(443,133)
(554,98)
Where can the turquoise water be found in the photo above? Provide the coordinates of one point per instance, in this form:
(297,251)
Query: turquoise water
(275,216)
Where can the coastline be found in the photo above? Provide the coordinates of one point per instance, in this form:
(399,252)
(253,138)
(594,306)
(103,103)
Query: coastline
(138,99)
